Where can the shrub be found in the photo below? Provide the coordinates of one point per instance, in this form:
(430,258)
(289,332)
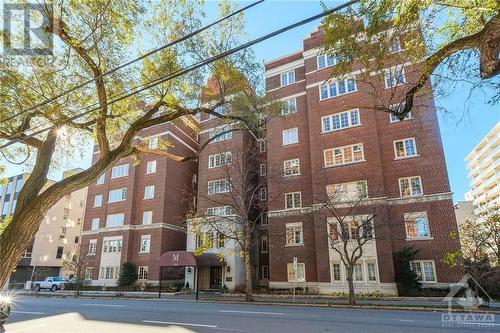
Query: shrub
(128,275)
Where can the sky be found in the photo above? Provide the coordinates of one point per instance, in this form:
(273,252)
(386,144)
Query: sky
(460,132)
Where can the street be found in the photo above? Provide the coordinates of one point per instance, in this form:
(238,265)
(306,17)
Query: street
(57,315)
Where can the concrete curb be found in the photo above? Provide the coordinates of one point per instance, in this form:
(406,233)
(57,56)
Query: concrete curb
(319,305)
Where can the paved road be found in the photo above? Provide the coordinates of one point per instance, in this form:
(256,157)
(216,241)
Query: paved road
(66,315)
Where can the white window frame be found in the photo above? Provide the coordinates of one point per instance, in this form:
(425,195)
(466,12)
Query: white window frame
(263,169)
(145,244)
(337,84)
(332,272)
(120,171)
(218,186)
(220,160)
(421,273)
(153,142)
(289,78)
(142,272)
(262,145)
(293,196)
(289,106)
(405,155)
(92,248)
(292,228)
(98,200)
(331,121)
(121,195)
(337,193)
(265,268)
(89,273)
(326,57)
(263,194)
(390,74)
(396,108)
(301,268)
(291,167)
(287,134)
(219,211)
(220,129)
(150,167)
(147,217)
(148,193)
(332,150)
(115,220)
(415,216)
(101,179)
(264,245)
(95,223)
(397,42)
(411,186)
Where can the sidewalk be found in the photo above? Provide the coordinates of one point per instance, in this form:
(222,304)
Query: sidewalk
(435,303)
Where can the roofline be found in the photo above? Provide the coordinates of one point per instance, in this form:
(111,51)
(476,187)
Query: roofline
(469,156)
(282,57)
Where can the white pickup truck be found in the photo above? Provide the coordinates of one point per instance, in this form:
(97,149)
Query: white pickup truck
(52,282)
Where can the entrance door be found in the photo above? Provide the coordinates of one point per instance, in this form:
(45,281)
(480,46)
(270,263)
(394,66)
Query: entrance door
(215,277)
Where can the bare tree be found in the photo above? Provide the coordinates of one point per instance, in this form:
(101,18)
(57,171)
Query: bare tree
(76,262)
(350,217)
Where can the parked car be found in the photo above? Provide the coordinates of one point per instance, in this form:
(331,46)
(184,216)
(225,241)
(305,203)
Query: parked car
(52,282)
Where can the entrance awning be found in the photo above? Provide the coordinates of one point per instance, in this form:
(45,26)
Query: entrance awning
(185,258)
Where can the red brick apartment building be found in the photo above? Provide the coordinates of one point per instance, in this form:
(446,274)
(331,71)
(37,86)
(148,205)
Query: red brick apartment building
(136,211)
(325,138)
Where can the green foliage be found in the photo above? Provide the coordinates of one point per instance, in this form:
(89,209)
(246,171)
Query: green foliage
(128,274)
(406,279)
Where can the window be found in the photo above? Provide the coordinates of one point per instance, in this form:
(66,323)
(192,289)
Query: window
(290,136)
(294,234)
(219,186)
(358,272)
(221,240)
(92,247)
(291,167)
(219,160)
(367,230)
(289,106)
(395,109)
(109,273)
(262,145)
(293,200)
(59,253)
(410,186)
(147,217)
(89,273)
(77,239)
(340,121)
(371,270)
(153,142)
(263,169)
(353,228)
(149,192)
(287,78)
(13,208)
(424,269)
(19,184)
(395,46)
(100,181)
(298,275)
(95,223)
(337,88)
(199,240)
(263,245)
(112,246)
(394,77)
(119,171)
(327,60)
(66,214)
(405,148)
(347,191)
(5,209)
(117,195)
(98,200)
(145,244)
(263,219)
(219,211)
(336,272)
(221,133)
(417,225)
(64,231)
(222,110)
(344,155)
(9,187)
(263,194)
(115,220)
(265,272)
(142,272)
(150,167)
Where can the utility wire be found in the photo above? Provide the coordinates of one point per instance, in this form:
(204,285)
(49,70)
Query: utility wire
(111,71)
(201,64)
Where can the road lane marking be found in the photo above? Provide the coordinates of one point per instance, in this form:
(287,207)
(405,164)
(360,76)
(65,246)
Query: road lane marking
(407,320)
(28,312)
(108,305)
(252,312)
(180,324)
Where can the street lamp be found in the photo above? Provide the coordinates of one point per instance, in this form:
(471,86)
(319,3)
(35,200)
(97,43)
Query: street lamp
(4,311)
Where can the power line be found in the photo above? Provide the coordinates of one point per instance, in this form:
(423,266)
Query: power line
(201,64)
(111,71)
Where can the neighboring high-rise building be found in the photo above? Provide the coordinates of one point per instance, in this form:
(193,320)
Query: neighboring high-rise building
(58,235)
(484,172)
(230,171)
(136,210)
(326,140)
(464,211)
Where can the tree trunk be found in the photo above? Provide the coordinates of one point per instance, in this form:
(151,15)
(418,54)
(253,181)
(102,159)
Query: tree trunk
(248,269)
(350,283)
